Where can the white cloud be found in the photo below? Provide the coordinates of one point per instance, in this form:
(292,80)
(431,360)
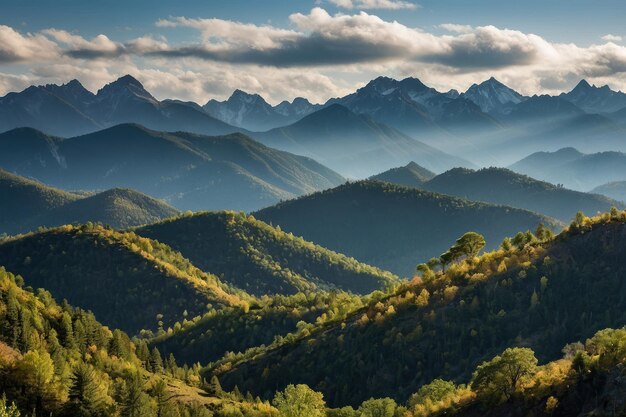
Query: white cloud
(79,47)
(319,55)
(374,4)
(15,47)
(612,38)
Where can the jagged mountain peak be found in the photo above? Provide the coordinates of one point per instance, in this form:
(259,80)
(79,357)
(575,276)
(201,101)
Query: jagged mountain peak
(583,84)
(386,85)
(452,93)
(125,84)
(380,85)
(74,83)
(492,96)
(240,95)
(414,84)
(595,99)
(128,80)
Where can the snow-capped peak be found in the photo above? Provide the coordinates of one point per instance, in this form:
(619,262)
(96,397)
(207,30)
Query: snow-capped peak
(491,95)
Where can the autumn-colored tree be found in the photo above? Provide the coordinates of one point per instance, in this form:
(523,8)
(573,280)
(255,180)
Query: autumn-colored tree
(300,401)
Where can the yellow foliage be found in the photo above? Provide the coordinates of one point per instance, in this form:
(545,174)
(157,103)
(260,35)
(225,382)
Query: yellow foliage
(422,298)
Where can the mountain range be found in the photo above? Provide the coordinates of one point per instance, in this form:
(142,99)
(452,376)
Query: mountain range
(593,99)
(26,205)
(503,186)
(70,110)
(574,169)
(394,227)
(252,112)
(187,170)
(355,145)
(488,123)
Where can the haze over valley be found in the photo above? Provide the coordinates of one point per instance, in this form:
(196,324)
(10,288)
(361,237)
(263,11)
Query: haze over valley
(330,208)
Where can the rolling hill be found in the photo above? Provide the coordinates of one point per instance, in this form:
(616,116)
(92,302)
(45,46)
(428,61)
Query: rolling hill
(502,186)
(187,170)
(118,207)
(26,205)
(21,199)
(394,227)
(355,145)
(614,189)
(573,169)
(130,282)
(261,259)
(529,294)
(410,175)
(61,361)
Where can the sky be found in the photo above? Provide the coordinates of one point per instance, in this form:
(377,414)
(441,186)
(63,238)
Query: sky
(203,49)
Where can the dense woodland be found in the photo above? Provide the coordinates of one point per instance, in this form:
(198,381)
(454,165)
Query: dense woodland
(26,205)
(394,227)
(502,186)
(509,297)
(261,259)
(58,360)
(133,283)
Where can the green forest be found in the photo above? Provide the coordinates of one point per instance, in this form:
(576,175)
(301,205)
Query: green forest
(518,350)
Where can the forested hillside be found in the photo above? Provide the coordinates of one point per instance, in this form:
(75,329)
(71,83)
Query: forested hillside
(118,207)
(410,175)
(26,205)
(261,259)
(614,189)
(394,227)
(534,291)
(56,360)
(573,169)
(189,171)
(21,198)
(502,186)
(225,332)
(130,282)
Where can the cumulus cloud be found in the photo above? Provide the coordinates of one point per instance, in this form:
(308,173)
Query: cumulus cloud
(318,55)
(322,39)
(612,38)
(78,47)
(15,47)
(101,46)
(374,4)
